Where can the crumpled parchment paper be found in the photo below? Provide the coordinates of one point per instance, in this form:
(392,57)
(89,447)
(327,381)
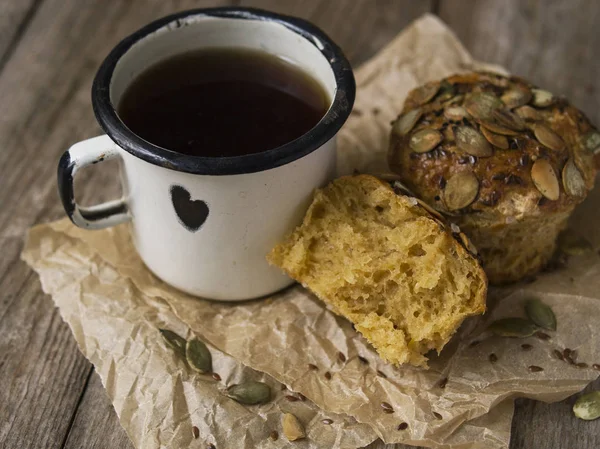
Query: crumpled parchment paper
(114,307)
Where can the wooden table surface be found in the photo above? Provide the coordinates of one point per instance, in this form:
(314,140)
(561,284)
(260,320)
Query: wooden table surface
(50,396)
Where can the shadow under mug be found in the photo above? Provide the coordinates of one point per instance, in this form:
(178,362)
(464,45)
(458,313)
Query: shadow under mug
(205,224)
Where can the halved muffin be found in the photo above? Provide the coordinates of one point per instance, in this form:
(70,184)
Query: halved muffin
(383,261)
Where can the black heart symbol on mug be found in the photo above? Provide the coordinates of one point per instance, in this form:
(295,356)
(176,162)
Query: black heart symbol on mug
(191,213)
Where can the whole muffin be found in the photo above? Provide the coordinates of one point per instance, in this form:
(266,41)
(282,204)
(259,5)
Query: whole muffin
(507,161)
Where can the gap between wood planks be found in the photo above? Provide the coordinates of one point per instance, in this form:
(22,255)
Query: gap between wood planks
(79,400)
(21,29)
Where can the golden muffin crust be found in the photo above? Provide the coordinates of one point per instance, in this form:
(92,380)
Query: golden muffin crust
(497,154)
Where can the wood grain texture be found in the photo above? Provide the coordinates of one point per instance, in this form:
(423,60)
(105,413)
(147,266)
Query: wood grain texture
(95,425)
(553,426)
(50,50)
(554,43)
(14,20)
(42,373)
(46,80)
(359,27)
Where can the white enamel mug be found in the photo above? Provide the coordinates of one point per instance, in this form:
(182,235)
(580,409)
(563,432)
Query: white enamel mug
(205,224)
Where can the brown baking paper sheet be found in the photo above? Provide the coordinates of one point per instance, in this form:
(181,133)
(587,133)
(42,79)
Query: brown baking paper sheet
(114,307)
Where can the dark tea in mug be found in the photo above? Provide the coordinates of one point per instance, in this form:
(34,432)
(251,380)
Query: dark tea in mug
(221,102)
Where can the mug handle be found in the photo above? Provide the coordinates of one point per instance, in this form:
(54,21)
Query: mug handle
(82,154)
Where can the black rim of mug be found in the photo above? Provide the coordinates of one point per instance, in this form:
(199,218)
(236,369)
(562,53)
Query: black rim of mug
(327,127)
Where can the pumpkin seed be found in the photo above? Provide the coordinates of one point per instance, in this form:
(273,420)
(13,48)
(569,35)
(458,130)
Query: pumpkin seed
(512,327)
(402,188)
(425,140)
(292,428)
(548,138)
(541,314)
(446,91)
(481,104)
(176,342)
(198,356)
(572,179)
(495,139)
(468,244)
(424,94)
(250,393)
(592,141)
(428,208)
(472,142)
(572,244)
(455,113)
(388,176)
(456,99)
(587,407)
(507,119)
(545,179)
(407,121)
(494,127)
(461,190)
(528,113)
(542,98)
(516,97)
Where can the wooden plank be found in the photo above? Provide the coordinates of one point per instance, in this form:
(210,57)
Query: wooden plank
(359,27)
(539,425)
(46,81)
(96,425)
(50,110)
(42,374)
(554,43)
(15,17)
